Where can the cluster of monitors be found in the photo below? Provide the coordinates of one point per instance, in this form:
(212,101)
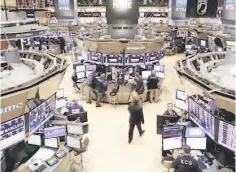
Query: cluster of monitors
(159,70)
(220,131)
(181,100)
(83,71)
(52,134)
(174,137)
(122,59)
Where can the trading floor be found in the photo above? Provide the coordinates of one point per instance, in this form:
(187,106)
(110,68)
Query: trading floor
(108,127)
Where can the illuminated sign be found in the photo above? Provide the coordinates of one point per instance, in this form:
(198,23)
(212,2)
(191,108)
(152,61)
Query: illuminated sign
(181,5)
(11,108)
(64,5)
(122,4)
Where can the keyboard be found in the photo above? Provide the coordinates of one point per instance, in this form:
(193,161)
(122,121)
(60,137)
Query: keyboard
(60,154)
(41,168)
(52,161)
(201,164)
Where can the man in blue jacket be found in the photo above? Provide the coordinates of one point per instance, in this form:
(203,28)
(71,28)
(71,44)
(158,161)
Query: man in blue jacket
(101,89)
(90,82)
(74,107)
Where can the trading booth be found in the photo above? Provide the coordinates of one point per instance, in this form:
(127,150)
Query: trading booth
(210,136)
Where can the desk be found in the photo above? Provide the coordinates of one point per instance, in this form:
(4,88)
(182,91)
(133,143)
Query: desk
(196,154)
(62,166)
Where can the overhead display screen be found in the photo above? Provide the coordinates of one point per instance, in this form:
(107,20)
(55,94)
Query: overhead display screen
(53,132)
(95,56)
(66,9)
(201,8)
(41,114)
(119,11)
(202,118)
(133,59)
(113,58)
(227,135)
(228,12)
(12,132)
(152,56)
(178,9)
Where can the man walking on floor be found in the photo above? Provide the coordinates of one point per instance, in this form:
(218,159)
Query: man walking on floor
(136,118)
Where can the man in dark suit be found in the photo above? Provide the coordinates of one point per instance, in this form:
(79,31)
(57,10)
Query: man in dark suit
(136,118)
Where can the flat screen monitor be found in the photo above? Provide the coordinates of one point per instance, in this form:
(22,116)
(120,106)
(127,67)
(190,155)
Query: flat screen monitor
(160,75)
(146,74)
(88,73)
(73,142)
(201,117)
(194,132)
(51,143)
(181,95)
(172,131)
(75,129)
(188,46)
(227,135)
(80,75)
(90,67)
(159,68)
(196,143)
(203,43)
(12,132)
(80,68)
(181,104)
(41,114)
(60,93)
(172,143)
(35,140)
(81,117)
(60,103)
(53,132)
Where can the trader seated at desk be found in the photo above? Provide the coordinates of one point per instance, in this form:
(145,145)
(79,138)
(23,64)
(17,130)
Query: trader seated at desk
(74,107)
(185,162)
(170,112)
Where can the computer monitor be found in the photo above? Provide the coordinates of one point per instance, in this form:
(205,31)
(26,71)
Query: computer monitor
(35,140)
(201,117)
(60,103)
(196,143)
(172,143)
(159,68)
(203,43)
(172,131)
(160,75)
(80,75)
(51,142)
(188,46)
(80,68)
(88,73)
(182,95)
(90,68)
(146,74)
(194,132)
(75,129)
(227,135)
(60,93)
(181,104)
(53,132)
(81,117)
(73,142)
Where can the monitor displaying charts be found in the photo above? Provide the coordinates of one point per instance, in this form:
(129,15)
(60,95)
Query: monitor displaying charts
(227,135)
(181,100)
(76,129)
(182,95)
(160,75)
(53,132)
(80,75)
(159,68)
(80,68)
(194,132)
(203,43)
(73,142)
(201,117)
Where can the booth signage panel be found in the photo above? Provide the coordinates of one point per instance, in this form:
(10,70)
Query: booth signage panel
(41,114)
(122,10)
(30,15)
(89,14)
(12,132)
(13,106)
(228,12)
(14,36)
(66,9)
(155,14)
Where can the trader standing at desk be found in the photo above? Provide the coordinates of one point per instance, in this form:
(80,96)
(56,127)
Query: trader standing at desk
(170,112)
(185,162)
(153,87)
(74,107)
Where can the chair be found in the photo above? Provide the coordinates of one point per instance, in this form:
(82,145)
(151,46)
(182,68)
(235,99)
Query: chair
(113,96)
(167,163)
